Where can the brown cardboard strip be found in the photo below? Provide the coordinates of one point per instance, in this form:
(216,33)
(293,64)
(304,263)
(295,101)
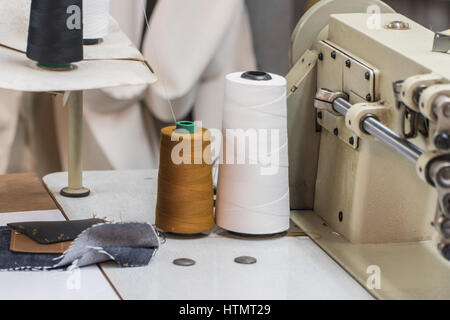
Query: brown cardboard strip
(23,244)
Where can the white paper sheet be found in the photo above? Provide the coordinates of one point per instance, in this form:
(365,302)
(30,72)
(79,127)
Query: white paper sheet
(82,284)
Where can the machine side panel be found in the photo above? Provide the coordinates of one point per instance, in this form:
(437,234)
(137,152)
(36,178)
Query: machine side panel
(303,135)
(371,194)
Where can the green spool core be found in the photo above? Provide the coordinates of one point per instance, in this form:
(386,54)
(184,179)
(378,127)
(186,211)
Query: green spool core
(55,65)
(186,126)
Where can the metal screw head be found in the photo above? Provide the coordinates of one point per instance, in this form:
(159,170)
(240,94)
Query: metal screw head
(336,131)
(351,140)
(348,63)
(397,25)
(333,54)
(184,262)
(369,97)
(245,260)
(367,75)
(442,141)
(321,56)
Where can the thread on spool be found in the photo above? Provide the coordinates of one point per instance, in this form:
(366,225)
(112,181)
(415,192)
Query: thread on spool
(185,202)
(55,35)
(253,195)
(95,21)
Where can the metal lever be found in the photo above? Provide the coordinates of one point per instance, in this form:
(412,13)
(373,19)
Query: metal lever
(441,42)
(369,124)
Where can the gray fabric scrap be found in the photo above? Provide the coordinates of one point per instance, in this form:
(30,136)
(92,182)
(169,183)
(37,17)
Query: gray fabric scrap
(129,244)
(112,241)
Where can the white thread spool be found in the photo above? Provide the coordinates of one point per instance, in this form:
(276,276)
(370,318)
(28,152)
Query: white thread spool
(95,20)
(253,198)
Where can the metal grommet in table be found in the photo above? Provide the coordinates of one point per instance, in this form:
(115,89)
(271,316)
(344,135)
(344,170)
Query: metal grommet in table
(245,260)
(184,262)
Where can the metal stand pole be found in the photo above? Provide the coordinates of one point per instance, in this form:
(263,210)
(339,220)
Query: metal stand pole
(75,133)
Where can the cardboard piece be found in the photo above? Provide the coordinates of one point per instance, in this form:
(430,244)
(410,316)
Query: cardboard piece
(24,244)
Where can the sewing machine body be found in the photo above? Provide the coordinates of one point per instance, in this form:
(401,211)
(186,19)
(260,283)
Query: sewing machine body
(379,195)
(369,206)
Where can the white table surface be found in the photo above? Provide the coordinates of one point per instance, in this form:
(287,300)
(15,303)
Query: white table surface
(287,267)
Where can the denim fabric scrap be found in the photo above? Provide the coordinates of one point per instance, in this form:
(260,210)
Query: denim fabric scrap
(13,261)
(129,244)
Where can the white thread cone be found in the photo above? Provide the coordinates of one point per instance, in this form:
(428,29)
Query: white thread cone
(95,19)
(253,198)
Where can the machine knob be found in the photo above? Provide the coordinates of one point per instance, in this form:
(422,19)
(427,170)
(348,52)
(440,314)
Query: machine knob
(445,250)
(444,225)
(442,141)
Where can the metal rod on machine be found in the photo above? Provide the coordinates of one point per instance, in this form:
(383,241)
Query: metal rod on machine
(375,128)
(437,171)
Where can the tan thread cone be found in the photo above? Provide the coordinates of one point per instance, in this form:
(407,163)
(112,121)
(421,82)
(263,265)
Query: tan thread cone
(185,203)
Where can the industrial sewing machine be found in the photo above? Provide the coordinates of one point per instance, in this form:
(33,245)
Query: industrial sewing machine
(369,143)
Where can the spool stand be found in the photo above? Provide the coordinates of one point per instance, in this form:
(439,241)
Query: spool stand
(75,188)
(74,105)
(124,65)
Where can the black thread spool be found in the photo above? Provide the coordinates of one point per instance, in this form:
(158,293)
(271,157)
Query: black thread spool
(55,35)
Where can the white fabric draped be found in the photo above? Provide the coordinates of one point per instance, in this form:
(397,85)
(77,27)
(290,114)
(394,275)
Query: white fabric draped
(191,45)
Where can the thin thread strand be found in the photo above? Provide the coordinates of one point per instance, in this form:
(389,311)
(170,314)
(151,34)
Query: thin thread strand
(157,66)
